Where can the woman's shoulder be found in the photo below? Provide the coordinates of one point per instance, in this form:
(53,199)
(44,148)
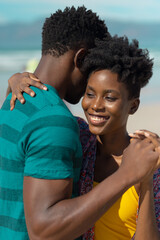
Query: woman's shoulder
(81,122)
(86,136)
(156,176)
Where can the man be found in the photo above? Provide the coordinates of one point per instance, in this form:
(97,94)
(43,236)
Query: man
(40,150)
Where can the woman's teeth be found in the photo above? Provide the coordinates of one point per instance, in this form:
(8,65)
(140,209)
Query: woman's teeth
(97,119)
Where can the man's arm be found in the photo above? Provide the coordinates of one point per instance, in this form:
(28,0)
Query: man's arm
(72,217)
(51,214)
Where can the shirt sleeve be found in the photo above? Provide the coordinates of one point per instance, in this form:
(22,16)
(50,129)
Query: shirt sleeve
(49,143)
(156,189)
(85,134)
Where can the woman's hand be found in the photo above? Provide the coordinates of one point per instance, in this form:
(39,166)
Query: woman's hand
(152,137)
(19,83)
(141,134)
(146,226)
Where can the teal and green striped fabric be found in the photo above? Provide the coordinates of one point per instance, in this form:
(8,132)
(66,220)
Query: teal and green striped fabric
(38,139)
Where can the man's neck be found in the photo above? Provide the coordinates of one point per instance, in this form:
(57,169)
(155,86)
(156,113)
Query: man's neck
(53,71)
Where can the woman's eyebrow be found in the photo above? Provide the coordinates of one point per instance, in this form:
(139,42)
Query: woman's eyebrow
(105,91)
(110,91)
(90,88)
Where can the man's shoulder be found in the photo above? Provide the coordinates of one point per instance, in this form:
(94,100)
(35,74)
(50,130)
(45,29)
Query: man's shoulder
(45,108)
(56,116)
(43,101)
(48,109)
(49,101)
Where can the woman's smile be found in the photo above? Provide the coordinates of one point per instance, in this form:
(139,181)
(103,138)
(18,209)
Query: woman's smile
(97,120)
(106,103)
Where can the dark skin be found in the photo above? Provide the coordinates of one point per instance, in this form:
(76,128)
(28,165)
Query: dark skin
(49,211)
(107,107)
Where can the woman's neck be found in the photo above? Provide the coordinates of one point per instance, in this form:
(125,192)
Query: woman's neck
(113,143)
(109,154)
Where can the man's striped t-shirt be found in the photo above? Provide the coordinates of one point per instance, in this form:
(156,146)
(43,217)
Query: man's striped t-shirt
(38,139)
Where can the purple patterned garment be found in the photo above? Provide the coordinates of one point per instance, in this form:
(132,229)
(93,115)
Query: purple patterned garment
(88,141)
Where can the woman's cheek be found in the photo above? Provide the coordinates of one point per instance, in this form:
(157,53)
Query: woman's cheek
(84,103)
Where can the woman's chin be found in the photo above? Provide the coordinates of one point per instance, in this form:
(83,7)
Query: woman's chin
(96,130)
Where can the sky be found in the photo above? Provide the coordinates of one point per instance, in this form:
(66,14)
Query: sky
(123,10)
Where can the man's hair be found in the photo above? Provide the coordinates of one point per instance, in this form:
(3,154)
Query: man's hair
(71,29)
(131,63)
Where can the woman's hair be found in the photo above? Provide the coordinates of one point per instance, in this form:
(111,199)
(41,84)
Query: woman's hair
(71,29)
(131,63)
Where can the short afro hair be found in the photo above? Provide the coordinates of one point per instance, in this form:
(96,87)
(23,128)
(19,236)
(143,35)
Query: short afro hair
(131,63)
(71,29)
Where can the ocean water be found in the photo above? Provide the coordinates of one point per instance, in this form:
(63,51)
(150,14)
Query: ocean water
(13,61)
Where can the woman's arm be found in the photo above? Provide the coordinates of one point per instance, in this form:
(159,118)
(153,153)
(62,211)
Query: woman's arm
(146,225)
(8,91)
(19,83)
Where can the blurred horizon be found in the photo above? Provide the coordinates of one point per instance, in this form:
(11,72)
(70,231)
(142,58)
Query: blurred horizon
(28,35)
(31,10)
(21,26)
(21,21)
(20,41)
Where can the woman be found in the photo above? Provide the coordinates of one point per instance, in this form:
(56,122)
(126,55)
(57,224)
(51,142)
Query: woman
(117,71)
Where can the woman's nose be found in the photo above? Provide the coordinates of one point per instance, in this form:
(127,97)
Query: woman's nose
(98,105)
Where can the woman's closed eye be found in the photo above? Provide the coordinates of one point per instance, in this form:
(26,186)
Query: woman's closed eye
(110,99)
(90,95)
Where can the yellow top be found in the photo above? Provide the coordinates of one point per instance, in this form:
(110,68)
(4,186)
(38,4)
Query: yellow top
(119,222)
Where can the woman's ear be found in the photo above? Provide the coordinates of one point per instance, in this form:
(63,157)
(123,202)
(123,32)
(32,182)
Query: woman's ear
(134,105)
(79,57)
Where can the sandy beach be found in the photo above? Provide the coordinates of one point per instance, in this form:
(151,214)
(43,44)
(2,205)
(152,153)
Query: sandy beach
(147,117)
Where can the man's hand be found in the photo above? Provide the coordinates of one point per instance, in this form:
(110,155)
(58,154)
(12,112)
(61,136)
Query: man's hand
(152,137)
(139,159)
(19,83)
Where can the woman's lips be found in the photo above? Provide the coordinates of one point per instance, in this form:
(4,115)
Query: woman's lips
(97,120)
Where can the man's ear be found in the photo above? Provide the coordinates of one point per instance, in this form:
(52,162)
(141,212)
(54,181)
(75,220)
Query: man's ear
(79,57)
(134,105)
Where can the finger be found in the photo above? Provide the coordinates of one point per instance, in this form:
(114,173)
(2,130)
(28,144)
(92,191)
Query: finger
(149,144)
(20,97)
(36,84)
(153,137)
(28,81)
(28,75)
(31,75)
(137,136)
(154,140)
(29,91)
(135,140)
(146,143)
(12,102)
(146,133)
